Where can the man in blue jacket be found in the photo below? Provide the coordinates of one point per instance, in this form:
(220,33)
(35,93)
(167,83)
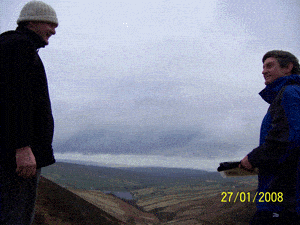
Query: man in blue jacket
(277,157)
(26,122)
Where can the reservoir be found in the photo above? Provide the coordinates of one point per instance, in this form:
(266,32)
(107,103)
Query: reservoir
(120,194)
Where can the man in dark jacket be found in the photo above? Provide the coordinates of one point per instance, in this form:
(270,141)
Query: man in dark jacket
(277,157)
(26,128)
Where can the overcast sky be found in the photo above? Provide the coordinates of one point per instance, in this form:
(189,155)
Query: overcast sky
(175,82)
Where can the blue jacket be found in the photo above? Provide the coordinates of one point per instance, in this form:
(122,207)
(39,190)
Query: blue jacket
(277,156)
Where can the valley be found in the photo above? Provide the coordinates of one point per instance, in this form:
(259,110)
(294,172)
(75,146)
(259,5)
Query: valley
(160,195)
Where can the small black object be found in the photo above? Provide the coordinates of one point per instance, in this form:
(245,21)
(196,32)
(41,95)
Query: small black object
(228,165)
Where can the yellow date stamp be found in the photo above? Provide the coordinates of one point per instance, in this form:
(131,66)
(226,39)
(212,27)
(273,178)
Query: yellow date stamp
(249,197)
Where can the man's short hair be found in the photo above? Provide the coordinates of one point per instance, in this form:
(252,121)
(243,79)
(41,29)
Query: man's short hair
(284,58)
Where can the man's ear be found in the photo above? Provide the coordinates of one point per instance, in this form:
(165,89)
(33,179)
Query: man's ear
(289,68)
(32,24)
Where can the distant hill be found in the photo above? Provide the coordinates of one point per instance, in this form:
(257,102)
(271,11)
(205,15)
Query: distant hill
(173,172)
(161,197)
(123,179)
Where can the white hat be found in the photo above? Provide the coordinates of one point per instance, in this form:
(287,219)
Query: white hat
(37,11)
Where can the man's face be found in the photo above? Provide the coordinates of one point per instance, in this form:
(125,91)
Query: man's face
(272,70)
(45,30)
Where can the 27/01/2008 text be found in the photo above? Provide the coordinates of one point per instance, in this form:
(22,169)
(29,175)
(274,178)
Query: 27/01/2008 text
(246,197)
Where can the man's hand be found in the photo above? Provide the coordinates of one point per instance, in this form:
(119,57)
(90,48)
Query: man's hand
(26,163)
(245,164)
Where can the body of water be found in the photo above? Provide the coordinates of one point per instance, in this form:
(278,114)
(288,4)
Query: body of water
(120,194)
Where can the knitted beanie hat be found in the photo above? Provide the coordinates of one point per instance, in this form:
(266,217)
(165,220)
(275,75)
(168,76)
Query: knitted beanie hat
(37,11)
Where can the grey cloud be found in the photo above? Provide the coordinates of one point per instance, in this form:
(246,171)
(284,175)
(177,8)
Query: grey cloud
(155,141)
(124,142)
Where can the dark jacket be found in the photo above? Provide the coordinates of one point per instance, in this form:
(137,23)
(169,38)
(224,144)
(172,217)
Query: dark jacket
(26,116)
(277,156)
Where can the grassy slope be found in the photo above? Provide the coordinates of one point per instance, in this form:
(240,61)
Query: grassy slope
(56,205)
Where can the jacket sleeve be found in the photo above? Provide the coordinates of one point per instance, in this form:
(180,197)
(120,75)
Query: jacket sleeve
(283,139)
(17,99)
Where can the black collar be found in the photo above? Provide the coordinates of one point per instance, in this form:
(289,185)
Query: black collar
(34,37)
